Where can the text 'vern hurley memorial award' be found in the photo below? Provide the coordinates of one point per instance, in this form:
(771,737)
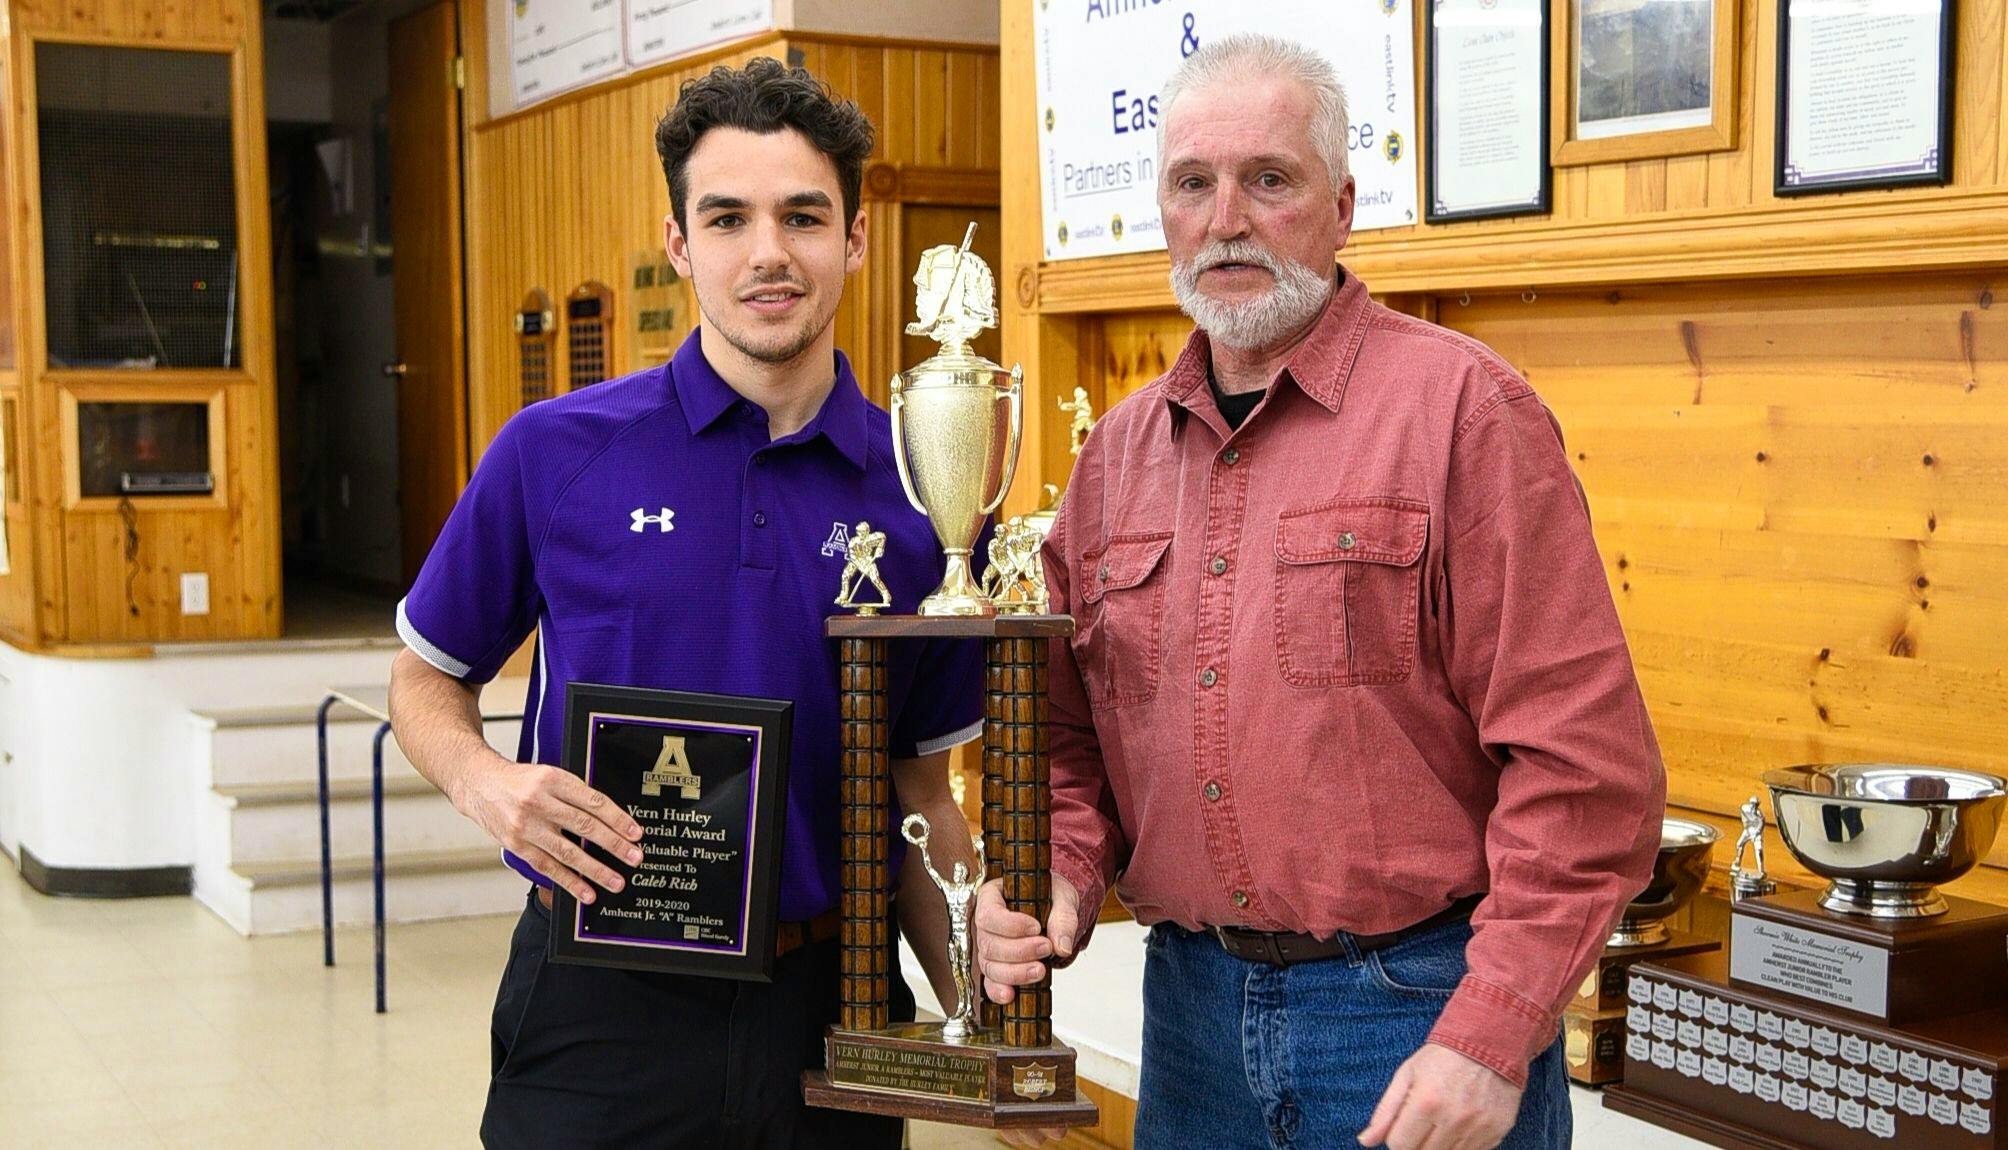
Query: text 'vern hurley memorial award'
(705,776)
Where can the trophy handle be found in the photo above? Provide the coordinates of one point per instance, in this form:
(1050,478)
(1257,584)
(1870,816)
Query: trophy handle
(1017,432)
(899,445)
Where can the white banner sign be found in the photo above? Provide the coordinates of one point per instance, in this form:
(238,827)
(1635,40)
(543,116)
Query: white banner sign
(556,45)
(659,29)
(1101,64)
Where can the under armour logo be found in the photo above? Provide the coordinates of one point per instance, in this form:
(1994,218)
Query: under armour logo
(839,541)
(662,521)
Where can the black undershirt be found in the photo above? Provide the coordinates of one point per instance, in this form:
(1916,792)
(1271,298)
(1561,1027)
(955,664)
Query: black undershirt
(1234,408)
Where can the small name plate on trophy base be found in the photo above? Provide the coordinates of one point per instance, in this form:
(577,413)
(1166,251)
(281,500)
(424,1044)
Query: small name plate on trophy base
(1603,988)
(1750,1068)
(911,1071)
(1896,970)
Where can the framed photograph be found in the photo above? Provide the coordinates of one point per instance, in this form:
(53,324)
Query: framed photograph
(1485,100)
(706,777)
(1864,94)
(1645,79)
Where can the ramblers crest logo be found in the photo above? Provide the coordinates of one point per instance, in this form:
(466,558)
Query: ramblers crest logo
(1393,147)
(1034,1081)
(1116,227)
(672,769)
(839,541)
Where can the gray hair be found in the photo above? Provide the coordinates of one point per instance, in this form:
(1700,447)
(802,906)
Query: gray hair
(1250,54)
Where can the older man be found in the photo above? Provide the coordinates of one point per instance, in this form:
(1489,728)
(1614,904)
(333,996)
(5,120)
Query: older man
(1349,716)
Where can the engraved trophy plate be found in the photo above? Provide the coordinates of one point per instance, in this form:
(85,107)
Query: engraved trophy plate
(1809,964)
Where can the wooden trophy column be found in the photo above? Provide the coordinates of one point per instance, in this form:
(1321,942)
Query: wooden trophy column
(1011,1072)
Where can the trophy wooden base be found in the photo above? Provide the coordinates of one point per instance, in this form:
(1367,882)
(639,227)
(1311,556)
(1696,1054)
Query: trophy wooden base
(1593,1024)
(1604,987)
(1897,970)
(909,1071)
(1741,1066)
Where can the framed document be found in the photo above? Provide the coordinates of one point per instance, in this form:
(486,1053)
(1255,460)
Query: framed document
(1864,94)
(1645,79)
(706,777)
(1486,96)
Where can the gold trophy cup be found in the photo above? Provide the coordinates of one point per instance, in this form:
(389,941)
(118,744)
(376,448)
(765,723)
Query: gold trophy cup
(956,419)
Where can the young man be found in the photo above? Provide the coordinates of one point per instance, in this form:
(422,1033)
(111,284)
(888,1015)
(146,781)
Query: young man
(671,529)
(1349,713)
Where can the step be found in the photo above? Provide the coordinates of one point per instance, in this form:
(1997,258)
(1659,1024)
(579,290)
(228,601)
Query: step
(276,743)
(282,820)
(284,895)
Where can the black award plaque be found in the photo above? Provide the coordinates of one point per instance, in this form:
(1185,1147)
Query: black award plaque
(706,777)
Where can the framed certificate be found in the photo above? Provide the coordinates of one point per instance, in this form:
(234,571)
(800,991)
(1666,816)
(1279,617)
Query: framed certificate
(706,777)
(1644,80)
(1864,94)
(1486,105)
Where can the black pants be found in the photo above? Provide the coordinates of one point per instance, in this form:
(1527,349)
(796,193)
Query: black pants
(588,1057)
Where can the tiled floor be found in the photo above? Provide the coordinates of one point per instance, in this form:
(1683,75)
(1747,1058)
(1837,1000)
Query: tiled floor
(149,1023)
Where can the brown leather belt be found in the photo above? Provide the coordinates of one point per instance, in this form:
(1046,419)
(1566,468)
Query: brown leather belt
(788,936)
(1281,948)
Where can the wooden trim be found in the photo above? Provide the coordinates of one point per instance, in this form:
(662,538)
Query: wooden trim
(1719,135)
(69,397)
(163,377)
(1923,232)
(848,40)
(951,187)
(119,40)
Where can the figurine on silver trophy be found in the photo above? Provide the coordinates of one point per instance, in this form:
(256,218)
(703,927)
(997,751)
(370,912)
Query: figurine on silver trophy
(960,891)
(861,555)
(1084,419)
(1750,883)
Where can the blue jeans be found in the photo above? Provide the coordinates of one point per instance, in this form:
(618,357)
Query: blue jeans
(1244,1054)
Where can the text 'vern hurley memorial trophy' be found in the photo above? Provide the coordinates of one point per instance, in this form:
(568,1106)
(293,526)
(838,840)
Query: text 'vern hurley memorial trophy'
(956,419)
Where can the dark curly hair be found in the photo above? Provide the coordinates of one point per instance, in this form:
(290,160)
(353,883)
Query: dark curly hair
(765,96)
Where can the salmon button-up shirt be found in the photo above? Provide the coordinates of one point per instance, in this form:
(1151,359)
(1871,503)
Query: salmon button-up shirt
(1349,663)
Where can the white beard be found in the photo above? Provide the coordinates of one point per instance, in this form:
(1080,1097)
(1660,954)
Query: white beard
(1299,295)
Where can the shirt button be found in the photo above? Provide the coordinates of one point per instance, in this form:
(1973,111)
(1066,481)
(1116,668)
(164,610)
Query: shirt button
(1240,898)
(1219,565)
(1212,792)
(759,519)
(1347,542)
(1231,456)
(1102,575)
(1207,678)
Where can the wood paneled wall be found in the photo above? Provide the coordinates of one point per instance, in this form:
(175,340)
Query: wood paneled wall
(571,190)
(70,570)
(1788,417)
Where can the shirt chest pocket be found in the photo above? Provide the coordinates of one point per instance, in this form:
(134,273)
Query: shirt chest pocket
(1347,580)
(1118,645)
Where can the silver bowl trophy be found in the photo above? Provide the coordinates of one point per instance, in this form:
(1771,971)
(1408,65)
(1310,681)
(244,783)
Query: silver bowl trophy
(1593,1022)
(1871,1012)
(957,419)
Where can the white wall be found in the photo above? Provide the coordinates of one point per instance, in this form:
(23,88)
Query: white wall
(104,760)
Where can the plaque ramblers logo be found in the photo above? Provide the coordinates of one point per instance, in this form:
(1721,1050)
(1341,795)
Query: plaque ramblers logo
(1063,233)
(672,769)
(1116,227)
(1034,1081)
(1049,119)
(1393,147)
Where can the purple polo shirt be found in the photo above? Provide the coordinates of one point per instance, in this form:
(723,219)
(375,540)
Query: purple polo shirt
(655,537)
